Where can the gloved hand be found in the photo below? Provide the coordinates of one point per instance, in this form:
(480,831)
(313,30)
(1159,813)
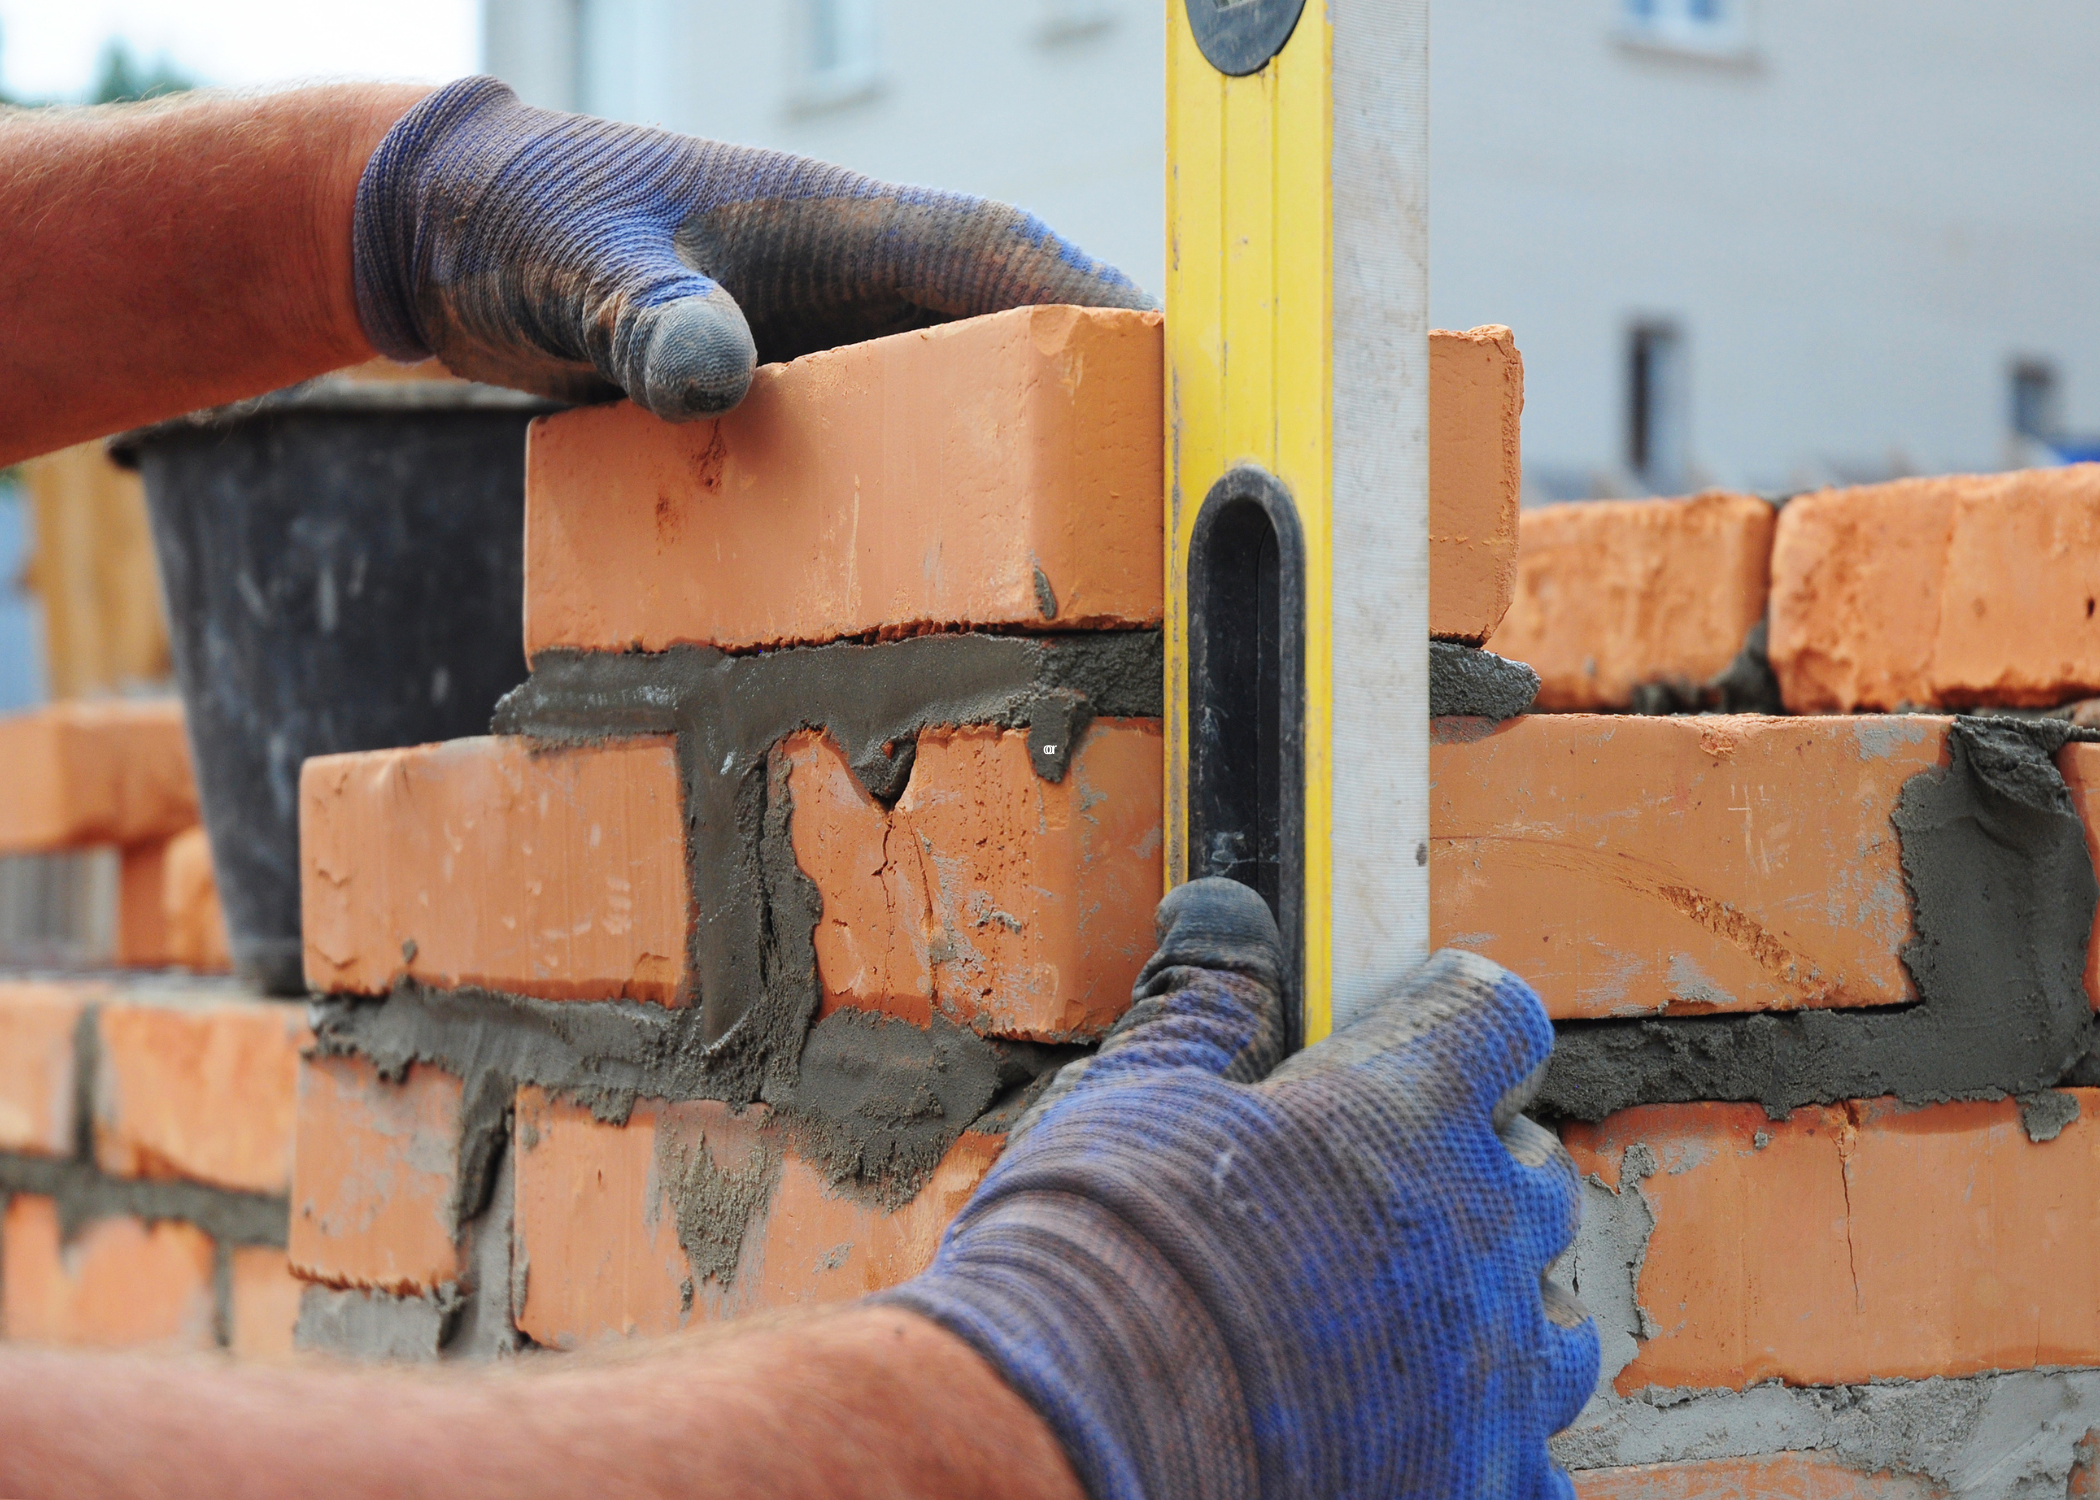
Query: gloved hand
(566,255)
(1329,1283)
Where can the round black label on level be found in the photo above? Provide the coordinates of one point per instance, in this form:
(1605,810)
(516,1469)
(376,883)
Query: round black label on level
(1240,36)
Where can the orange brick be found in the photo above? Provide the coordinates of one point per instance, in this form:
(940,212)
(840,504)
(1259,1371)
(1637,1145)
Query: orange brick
(264,1306)
(1859,1242)
(108,771)
(1002,470)
(1952,592)
(1630,865)
(37,1091)
(189,895)
(1612,594)
(203,1089)
(555,873)
(373,1185)
(597,1222)
(1773,1476)
(1004,902)
(121,1284)
(142,908)
(1476,478)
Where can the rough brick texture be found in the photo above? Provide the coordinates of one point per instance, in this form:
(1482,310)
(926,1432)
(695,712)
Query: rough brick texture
(1476,478)
(375,1182)
(690,1212)
(1858,1242)
(142,908)
(1001,471)
(554,873)
(1775,1476)
(198,1089)
(1626,865)
(1004,902)
(263,1302)
(113,771)
(1951,592)
(119,1284)
(195,924)
(37,1072)
(1614,594)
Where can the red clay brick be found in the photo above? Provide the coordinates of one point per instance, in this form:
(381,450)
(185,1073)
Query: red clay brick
(1859,1242)
(121,1284)
(109,771)
(1007,903)
(1612,594)
(196,926)
(264,1305)
(203,1089)
(555,873)
(142,908)
(37,1090)
(1002,470)
(1476,478)
(373,1184)
(597,1226)
(1772,1476)
(1628,865)
(1951,592)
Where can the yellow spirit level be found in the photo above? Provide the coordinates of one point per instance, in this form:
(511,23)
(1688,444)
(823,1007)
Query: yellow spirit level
(1298,476)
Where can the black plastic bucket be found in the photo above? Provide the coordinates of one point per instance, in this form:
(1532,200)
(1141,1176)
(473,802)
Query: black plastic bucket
(343,567)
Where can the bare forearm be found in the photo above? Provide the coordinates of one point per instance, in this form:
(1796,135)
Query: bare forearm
(858,1403)
(165,256)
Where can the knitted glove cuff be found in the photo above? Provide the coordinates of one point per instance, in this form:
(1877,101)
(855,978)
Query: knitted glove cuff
(1094,1328)
(388,230)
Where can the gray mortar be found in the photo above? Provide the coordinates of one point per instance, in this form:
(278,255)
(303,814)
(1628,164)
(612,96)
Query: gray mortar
(1747,685)
(851,1100)
(2002,895)
(85,1195)
(484,1328)
(1994,1437)
(714,1205)
(750,950)
(362,1324)
(2043,1116)
(1468,682)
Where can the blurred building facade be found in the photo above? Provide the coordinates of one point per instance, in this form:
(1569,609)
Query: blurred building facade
(1759,243)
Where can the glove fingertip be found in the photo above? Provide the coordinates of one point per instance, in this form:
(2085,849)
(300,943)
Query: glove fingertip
(697,358)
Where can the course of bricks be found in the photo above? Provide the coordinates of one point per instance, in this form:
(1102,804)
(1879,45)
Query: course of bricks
(145,1162)
(827,825)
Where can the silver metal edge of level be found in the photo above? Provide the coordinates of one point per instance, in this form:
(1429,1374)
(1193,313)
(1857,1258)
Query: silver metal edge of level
(1380,499)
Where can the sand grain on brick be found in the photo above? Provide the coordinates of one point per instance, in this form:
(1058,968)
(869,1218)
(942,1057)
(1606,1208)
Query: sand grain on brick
(1631,865)
(375,1176)
(1614,594)
(198,1089)
(1954,592)
(1006,903)
(1858,1242)
(559,874)
(120,1284)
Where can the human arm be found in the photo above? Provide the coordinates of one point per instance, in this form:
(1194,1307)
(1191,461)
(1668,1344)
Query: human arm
(182,253)
(165,256)
(858,1403)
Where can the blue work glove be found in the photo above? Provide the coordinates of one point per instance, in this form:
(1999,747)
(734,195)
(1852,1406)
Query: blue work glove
(1328,1283)
(571,256)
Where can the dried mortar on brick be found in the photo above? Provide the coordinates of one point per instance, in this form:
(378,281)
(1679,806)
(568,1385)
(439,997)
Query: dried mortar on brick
(751,948)
(714,1204)
(1470,682)
(2002,893)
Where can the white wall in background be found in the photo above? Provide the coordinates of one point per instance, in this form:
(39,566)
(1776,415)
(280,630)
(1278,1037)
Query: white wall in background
(1858,219)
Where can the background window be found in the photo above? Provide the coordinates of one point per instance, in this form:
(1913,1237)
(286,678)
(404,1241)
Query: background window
(1658,426)
(1714,27)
